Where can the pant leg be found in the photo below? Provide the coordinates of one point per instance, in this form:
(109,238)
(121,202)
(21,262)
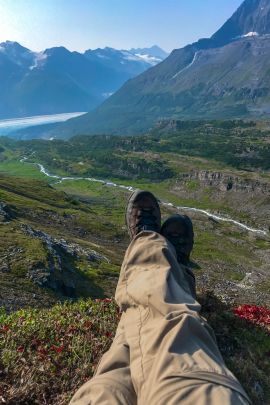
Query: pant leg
(174,357)
(112,383)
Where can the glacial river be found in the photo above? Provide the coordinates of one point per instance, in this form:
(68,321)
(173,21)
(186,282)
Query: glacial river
(108,183)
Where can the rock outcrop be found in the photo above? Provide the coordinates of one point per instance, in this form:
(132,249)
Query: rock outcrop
(226,182)
(6,213)
(59,273)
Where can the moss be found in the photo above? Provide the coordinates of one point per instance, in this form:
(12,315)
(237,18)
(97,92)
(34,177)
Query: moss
(264,287)
(192,185)
(108,269)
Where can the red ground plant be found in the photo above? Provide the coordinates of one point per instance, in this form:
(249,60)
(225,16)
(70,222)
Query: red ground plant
(254,314)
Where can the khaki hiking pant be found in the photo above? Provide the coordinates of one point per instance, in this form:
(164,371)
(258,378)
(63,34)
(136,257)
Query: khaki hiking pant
(164,352)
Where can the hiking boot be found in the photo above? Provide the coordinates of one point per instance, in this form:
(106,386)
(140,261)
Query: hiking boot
(143,213)
(178,229)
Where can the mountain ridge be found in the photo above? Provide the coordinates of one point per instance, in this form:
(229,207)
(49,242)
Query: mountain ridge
(57,80)
(194,81)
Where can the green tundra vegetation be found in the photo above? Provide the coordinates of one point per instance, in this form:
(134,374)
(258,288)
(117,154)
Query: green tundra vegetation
(62,244)
(45,355)
(241,145)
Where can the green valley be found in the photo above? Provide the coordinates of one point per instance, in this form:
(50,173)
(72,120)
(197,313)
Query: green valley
(63,238)
(218,167)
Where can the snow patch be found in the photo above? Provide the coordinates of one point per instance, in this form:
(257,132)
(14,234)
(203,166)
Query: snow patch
(138,57)
(250,34)
(152,60)
(107,95)
(99,55)
(129,56)
(39,58)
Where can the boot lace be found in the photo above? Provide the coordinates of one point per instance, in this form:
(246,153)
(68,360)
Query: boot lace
(146,221)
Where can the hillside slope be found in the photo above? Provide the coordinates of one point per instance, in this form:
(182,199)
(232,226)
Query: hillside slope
(51,247)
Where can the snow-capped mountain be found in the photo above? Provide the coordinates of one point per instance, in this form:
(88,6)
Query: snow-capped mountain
(56,80)
(17,54)
(253,16)
(155,51)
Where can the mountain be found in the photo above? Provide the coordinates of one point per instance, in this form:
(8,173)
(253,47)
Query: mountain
(17,53)
(155,51)
(57,80)
(130,61)
(10,73)
(253,16)
(224,76)
(118,66)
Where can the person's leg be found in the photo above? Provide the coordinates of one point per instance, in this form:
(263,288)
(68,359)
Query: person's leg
(178,230)
(163,348)
(174,357)
(112,383)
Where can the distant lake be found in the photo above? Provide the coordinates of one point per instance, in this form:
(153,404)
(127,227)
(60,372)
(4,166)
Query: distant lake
(12,124)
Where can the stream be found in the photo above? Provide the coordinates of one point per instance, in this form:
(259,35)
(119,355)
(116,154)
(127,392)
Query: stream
(167,204)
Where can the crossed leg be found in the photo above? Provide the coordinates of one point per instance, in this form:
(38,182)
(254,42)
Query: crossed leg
(164,352)
(112,383)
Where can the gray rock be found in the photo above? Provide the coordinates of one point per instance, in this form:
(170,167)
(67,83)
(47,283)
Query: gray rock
(6,213)
(39,277)
(55,274)
(4,268)
(55,245)
(226,182)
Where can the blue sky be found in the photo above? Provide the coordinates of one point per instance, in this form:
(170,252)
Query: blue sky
(83,24)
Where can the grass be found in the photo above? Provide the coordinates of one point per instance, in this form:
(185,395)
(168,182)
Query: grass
(163,190)
(16,168)
(264,287)
(211,247)
(192,193)
(70,210)
(46,355)
(42,208)
(245,347)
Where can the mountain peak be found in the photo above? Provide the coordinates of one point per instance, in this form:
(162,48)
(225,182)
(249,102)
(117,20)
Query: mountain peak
(57,51)
(13,45)
(253,16)
(17,53)
(154,51)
